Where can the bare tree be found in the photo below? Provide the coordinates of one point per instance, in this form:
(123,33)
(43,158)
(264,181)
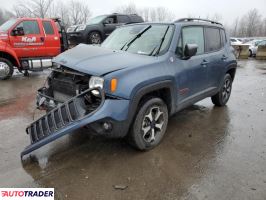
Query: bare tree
(148,14)
(33,8)
(61,10)
(5,15)
(234,28)
(253,22)
(78,12)
(127,9)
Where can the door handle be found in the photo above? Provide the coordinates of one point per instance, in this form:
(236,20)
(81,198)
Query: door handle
(224,57)
(204,63)
(42,39)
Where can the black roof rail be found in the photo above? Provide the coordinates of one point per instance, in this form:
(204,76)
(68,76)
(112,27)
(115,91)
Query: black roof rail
(197,19)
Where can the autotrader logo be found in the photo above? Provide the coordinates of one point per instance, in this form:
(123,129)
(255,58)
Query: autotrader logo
(26,193)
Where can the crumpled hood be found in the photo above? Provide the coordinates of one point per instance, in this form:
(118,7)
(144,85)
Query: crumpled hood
(96,60)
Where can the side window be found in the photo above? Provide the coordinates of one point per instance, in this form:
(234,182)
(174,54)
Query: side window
(123,19)
(223,37)
(213,39)
(191,35)
(111,20)
(30,27)
(48,28)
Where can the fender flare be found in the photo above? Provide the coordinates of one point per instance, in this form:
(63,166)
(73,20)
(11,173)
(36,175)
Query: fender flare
(12,53)
(139,93)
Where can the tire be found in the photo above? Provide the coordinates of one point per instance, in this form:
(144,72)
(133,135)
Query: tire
(6,69)
(94,38)
(222,97)
(250,53)
(146,131)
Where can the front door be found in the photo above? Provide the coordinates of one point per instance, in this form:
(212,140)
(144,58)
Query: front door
(191,76)
(29,44)
(110,25)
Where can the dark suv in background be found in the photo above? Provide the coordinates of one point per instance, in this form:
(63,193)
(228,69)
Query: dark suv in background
(98,28)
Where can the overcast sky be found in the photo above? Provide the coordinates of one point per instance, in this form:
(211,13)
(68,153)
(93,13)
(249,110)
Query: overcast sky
(228,9)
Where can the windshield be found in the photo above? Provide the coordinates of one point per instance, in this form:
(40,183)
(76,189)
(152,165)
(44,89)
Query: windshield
(97,19)
(140,39)
(8,24)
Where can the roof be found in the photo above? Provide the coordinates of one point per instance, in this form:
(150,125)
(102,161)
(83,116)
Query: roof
(199,21)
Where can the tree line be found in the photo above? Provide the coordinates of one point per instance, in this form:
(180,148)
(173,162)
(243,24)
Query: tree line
(72,12)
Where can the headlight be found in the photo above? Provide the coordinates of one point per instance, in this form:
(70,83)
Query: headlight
(96,82)
(81,28)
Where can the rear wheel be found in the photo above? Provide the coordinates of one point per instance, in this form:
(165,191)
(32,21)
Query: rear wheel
(94,38)
(222,97)
(6,69)
(150,124)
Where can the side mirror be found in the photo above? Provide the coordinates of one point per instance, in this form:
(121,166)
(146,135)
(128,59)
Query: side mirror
(190,50)
(19,31)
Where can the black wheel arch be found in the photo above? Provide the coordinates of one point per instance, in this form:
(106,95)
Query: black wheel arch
(162,89)
(95,30)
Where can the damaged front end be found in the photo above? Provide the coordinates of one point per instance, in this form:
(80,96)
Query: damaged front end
(74,100)
(60,120)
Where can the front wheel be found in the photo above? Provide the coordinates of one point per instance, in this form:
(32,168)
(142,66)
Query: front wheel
(150,124)
(222,97)
(6,69)
(94,38)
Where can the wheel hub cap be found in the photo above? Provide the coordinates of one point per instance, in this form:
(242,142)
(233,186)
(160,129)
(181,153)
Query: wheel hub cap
(226,90)
(4,69)
(152,124)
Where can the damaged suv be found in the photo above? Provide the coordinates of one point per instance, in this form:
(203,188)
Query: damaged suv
(131,84)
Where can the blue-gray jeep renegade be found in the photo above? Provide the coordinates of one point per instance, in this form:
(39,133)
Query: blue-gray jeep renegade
(131,84)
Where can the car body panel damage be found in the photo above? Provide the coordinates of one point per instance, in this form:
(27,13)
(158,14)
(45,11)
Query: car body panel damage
(71,115)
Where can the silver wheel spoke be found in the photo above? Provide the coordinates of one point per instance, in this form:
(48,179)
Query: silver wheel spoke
(149,116)
(159,126)
(146,130)
(152,138)
(158,114)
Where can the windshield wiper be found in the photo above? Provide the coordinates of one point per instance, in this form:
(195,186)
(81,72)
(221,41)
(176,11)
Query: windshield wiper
(136,37)
(161,43)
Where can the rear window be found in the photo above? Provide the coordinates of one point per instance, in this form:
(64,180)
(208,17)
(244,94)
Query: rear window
(123,19)
(48,28)
(213,39)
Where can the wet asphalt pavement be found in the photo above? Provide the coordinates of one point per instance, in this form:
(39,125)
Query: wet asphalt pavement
(207,152)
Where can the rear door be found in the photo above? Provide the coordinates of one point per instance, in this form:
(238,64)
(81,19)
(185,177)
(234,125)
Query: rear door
(191,74)
(51,39)
(29,44)
(217,55)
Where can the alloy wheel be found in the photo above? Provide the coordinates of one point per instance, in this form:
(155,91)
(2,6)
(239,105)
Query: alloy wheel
(152,124)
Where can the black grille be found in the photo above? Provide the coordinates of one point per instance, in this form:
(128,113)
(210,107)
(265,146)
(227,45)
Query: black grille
(72,110)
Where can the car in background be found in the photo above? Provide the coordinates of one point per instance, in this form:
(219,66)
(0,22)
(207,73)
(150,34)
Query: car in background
(254,46)
(235,41)
(98,28)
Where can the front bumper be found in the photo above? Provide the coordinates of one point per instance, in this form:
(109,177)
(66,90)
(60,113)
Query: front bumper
(76,38)
(74,114)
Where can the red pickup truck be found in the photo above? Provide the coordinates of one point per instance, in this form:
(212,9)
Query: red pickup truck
(29,44)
